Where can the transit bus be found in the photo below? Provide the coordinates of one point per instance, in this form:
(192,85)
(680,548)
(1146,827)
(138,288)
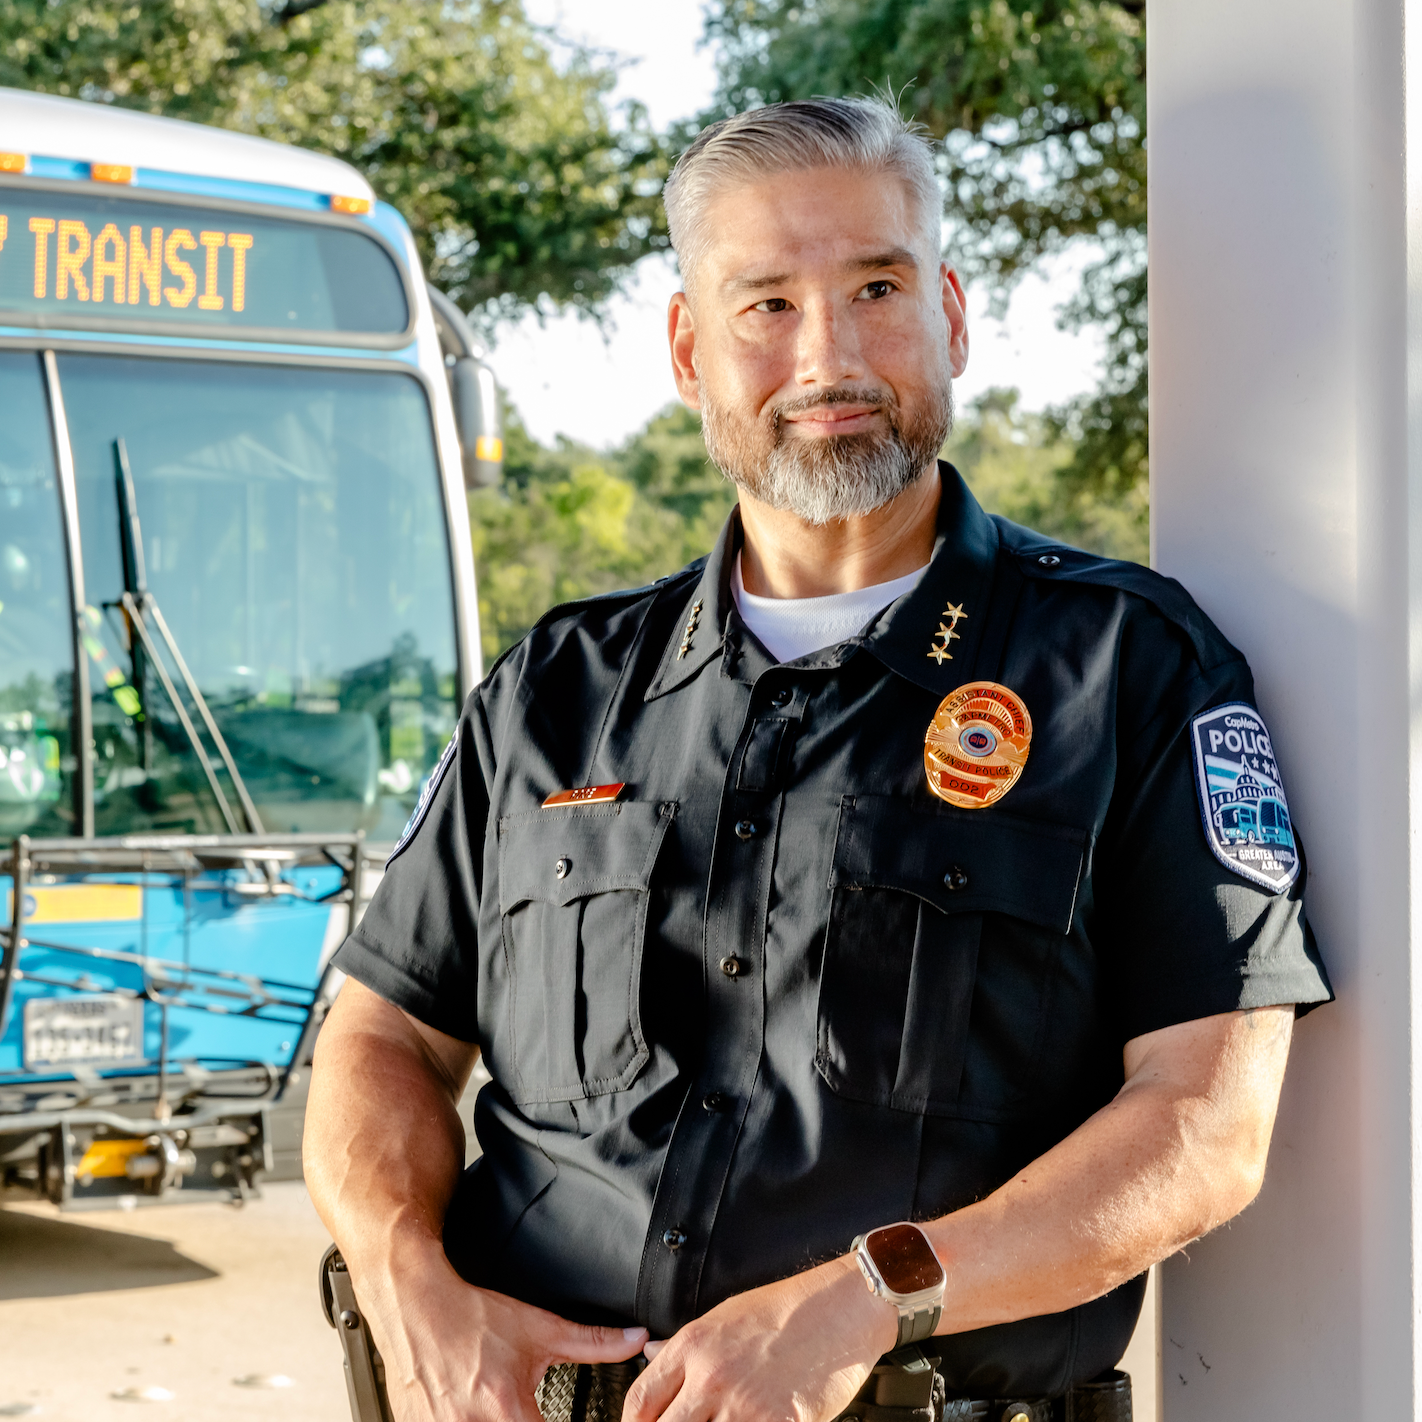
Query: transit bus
(237,624)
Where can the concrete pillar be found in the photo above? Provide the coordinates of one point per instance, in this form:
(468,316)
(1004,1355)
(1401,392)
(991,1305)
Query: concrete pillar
(1286,449)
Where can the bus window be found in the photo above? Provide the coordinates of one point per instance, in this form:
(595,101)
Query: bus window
(1238,821)
(1274,822)
(36,631)
(294,538)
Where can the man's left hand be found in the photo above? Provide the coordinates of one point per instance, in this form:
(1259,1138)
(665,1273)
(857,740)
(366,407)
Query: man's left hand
(795,1351)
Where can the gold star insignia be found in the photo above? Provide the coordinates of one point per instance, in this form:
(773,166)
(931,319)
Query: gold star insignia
(954,614)
(690,630)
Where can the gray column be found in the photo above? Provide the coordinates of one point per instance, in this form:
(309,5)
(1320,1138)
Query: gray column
(1285,451)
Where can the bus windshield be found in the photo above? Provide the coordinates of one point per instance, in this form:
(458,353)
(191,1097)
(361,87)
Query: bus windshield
(294,538)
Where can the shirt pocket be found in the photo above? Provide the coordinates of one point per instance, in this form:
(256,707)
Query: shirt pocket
(573,890)
(945,934)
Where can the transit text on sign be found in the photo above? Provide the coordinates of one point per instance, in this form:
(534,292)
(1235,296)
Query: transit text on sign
(112,268)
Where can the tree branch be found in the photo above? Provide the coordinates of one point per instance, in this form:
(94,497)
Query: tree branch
(284,14)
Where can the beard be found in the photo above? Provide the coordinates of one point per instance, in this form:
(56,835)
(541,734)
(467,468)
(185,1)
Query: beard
(824,480)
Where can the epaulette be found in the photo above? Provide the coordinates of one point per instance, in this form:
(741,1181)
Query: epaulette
(1047,560)
(621,596)
(624,597)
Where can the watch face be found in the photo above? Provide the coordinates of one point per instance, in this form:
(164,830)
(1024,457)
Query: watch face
(904,1259)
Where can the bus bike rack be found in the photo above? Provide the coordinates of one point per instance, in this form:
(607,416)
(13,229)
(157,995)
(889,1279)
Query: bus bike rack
(181,1124)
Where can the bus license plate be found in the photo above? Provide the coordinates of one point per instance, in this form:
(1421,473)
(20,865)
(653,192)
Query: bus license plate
(83,1031)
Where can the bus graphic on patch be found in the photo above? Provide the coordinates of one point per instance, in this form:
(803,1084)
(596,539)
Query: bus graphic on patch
(1242,804)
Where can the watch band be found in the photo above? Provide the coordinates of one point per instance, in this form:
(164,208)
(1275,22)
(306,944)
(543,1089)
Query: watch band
(915,1327)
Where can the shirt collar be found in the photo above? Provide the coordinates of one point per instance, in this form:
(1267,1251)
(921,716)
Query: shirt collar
(944,613)
(700,633)
(932,634)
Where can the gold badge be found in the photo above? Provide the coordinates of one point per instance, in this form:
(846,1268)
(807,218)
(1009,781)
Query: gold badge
(976,745)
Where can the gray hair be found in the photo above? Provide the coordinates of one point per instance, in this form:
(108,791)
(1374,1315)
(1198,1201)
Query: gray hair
(862,135)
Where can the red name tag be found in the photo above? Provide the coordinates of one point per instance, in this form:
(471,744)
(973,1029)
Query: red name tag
(585,795)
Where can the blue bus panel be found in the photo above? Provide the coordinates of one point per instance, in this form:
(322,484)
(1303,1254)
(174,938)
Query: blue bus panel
(238,973)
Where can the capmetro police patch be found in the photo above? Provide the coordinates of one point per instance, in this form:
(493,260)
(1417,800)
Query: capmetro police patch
(1242,797)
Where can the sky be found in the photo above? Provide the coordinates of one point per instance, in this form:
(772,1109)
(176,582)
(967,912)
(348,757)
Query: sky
(598,385)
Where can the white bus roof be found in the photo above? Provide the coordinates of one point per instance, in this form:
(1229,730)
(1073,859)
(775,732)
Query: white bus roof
(43,125)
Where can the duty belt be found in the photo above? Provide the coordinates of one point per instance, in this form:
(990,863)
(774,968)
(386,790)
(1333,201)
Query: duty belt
(586,1392)
(904,1387)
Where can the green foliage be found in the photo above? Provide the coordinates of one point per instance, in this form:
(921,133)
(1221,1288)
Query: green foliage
(1041,106)
(569,521)
(518,183)
(1022,465)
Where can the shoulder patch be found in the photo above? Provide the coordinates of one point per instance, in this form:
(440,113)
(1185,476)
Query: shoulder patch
(427,794)
(1242,804)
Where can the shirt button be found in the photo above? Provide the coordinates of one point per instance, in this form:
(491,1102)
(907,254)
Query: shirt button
(561,868)
(782,698)
(716,1101)
(674,1239)
(733,967)
(955,879)
(746,829)
(1049,560)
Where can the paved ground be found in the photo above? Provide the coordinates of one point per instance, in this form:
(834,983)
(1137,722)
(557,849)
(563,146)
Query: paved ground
(187,1298)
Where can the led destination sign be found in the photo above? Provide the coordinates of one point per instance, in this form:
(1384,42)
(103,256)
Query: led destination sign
(82,259)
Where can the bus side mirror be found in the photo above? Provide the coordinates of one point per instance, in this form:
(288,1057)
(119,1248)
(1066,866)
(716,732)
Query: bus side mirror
(472,392)
(476,413)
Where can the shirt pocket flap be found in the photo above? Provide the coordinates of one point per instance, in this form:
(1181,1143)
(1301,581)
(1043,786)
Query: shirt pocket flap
(961,861)
(558,856)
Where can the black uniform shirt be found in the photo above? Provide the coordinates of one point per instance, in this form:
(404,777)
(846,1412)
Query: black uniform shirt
(779,993)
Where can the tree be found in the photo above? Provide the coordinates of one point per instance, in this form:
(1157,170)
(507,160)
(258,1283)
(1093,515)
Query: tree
(1041,106)
(520,186)
(571,521)
(1016,464)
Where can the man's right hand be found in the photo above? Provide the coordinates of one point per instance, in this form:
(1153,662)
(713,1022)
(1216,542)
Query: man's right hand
(383,1149)
(455,1353)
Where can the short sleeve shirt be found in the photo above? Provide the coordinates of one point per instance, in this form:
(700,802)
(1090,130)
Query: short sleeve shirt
(777,992)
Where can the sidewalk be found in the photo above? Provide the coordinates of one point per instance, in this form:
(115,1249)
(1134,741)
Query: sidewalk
(187,1298)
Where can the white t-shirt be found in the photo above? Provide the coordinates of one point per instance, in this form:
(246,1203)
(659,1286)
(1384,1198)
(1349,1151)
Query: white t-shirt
(791,627)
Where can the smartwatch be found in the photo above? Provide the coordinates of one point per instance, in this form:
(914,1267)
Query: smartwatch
(900,1266)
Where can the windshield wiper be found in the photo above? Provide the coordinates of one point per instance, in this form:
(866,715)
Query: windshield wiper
(140,604)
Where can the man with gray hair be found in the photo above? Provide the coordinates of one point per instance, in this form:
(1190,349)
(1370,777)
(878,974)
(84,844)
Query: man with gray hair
(884,936)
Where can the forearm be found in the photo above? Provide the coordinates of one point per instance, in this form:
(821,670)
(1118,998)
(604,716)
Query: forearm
(384,1145)
(1159,1166)
(384,1149)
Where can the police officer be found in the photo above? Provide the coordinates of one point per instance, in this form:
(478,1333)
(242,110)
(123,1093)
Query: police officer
(890,928)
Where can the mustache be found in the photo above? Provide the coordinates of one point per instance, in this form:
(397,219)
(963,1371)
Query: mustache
(844,395)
